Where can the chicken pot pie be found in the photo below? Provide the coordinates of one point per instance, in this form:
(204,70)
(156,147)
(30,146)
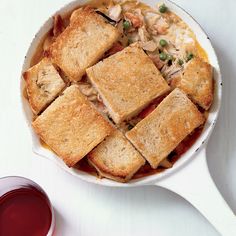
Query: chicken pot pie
(119,88)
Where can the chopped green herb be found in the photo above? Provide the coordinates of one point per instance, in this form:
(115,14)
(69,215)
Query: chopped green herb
(190,56)
(130,127)
(163,42)
(170,58)
(163,8)
(180,62)
(163,56)
(126,25)
(130,41)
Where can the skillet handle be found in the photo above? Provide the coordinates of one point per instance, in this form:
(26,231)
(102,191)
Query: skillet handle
(194,183)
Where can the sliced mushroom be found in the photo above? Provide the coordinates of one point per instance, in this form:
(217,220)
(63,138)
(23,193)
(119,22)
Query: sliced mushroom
(150,46)
(143,34)
(169,71)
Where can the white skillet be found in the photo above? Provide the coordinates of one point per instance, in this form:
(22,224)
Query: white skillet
(190,177)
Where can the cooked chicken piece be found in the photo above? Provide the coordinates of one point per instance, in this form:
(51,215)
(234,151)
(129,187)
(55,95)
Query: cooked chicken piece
(161,26)
(143,34)
(138,12)
(156,60)
(114,12)
(133,36)
(169,71)
(151,19)
(135,20)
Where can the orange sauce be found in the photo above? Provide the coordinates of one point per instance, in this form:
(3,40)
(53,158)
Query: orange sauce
(44,145)
(147,170)
(84,166)
(39,53)
(201,52)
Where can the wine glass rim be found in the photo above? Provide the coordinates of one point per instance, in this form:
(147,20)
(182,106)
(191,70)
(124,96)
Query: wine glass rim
(39,188)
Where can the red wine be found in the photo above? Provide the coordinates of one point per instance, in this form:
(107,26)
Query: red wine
(24,212)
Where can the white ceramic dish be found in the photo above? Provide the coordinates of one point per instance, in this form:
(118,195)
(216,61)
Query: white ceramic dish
(189,177)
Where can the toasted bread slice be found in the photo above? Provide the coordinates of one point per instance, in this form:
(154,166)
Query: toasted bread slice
(197,81)
(161,131)
(71,126)
(127,82)
(43,84)
(83,43)
(115,158)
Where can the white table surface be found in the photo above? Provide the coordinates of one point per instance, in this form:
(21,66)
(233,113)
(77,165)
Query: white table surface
(88,210)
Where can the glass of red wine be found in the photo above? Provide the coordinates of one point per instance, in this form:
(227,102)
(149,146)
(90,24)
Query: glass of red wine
(25,209)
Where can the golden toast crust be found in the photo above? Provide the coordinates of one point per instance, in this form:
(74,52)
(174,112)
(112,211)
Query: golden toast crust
(127,82)
(71,127)
(82,43)
(197,82)
(116,158)
(161,131)
(43,84)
